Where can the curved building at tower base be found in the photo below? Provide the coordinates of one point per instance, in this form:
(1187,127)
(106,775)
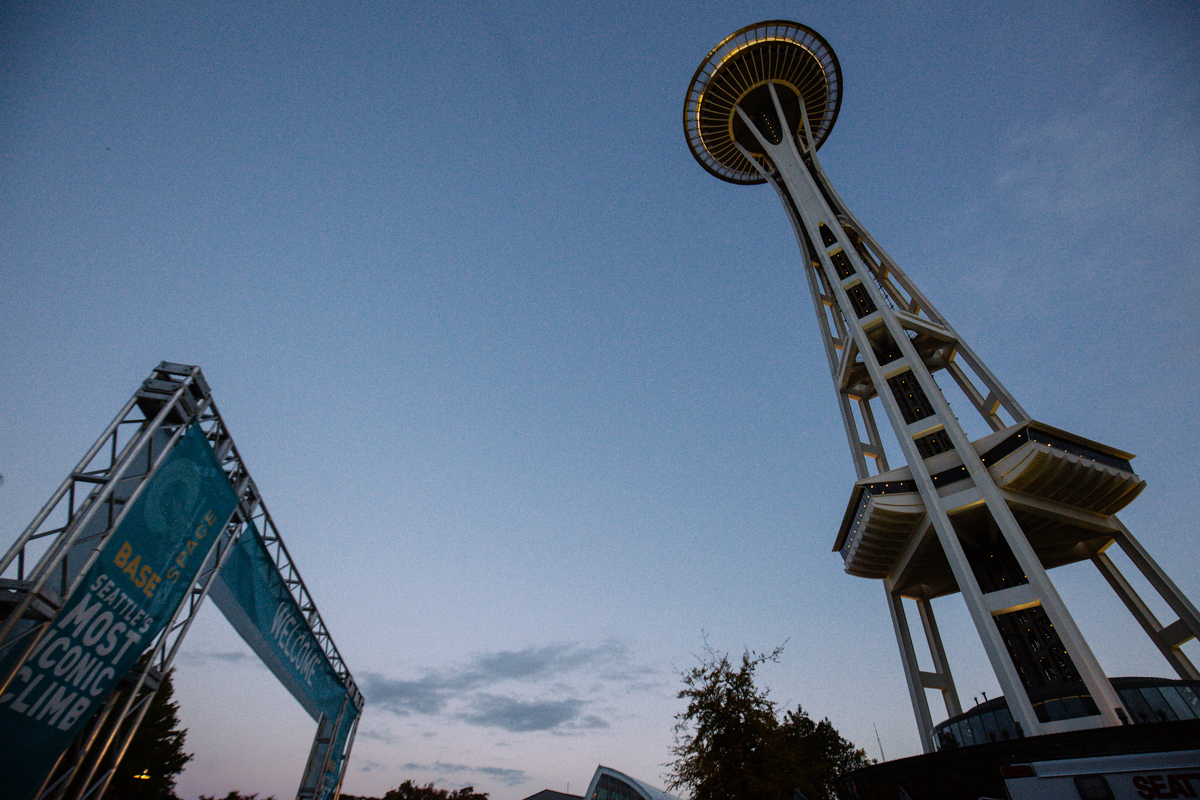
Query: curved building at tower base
(608,784)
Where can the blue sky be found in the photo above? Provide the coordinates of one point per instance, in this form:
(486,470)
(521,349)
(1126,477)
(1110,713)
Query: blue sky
(535,401)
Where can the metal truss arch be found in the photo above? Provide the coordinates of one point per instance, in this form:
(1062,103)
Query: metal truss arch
(42,573)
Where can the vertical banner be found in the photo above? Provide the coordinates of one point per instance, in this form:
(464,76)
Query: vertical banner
(255,599)
(126,598)
(323,772)
(333,774)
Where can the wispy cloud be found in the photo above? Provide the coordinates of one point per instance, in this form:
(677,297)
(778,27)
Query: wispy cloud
(534,663)
(443,766)
(229,657)
(518,716)
(462,692)
(1092,193)
(1128,151)
(509,777)
(428,695)
(377,735)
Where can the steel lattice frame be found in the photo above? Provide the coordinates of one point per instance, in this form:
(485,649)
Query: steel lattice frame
(66,537)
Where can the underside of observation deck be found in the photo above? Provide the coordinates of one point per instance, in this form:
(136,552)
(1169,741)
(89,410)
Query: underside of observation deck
(1063,489)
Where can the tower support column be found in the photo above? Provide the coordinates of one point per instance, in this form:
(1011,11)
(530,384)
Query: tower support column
(924,426)
(1167,638)
(912,671)
(940,678)
(918,680)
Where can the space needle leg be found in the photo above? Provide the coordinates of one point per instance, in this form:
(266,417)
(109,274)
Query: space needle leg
(941,678)
(925,426)
(1167,638)
(912,671)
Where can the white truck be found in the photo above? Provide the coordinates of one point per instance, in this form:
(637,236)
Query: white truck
(1141,776)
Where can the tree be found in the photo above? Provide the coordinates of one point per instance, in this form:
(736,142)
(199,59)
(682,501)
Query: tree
(730,743)
(155,756)
(410,791)
(811,755)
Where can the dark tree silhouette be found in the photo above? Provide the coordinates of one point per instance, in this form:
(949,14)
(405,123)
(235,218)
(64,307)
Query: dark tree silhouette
(730,743)
(155,756)
(810,755)
(411,791)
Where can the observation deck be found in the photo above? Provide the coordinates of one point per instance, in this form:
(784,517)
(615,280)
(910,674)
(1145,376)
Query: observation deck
(1062,488)
(794,58)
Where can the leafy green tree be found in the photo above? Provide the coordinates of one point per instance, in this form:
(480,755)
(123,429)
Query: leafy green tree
(730,743)
(155,756)
(721,740)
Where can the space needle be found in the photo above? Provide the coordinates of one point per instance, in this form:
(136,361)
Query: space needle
(986,518)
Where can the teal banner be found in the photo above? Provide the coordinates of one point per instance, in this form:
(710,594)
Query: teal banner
(255,599)
(127,596)
(336,765)
(337,753)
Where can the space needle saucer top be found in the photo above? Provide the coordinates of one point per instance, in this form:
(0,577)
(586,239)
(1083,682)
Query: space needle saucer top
(794,58)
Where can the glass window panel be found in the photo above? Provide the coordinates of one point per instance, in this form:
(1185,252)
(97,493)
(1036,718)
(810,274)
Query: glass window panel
(1054,709)
(1190,696)
(990,729)
(1180,706)
(1074,707)
(1139,709)
(1004,721)
(978,731)
(1162,711)
(616,789)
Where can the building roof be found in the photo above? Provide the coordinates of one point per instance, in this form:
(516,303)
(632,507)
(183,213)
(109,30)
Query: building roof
(550,794)
(645,790)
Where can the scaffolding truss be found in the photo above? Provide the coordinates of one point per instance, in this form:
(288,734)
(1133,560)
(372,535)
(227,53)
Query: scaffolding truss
(53,554)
